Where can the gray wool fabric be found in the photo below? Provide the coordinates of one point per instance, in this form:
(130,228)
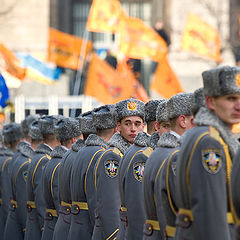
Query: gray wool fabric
(86,123)
(168,140)
(142,139)
(12,132)
(47,123)
(104,117)
(34,131)
(162,113)
(198,100)
(150,109)
(179,104)
(130,107)
(67,128)
(221,81)
(26,123)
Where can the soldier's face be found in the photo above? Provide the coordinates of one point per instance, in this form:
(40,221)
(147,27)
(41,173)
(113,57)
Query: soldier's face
(163,127)
(226,107)
(129,127)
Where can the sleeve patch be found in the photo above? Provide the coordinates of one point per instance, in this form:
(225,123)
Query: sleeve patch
(138,170)
(111,168)
(211,160)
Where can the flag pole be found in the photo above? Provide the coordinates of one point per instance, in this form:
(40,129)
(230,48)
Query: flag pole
(80,68)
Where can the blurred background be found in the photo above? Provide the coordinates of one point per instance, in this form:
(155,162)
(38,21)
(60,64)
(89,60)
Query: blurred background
(30,28)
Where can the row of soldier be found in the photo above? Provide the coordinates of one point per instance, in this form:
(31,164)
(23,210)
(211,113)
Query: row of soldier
(100,176)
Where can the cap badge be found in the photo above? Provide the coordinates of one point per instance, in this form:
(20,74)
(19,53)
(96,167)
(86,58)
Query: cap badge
(131,106)
(238,79)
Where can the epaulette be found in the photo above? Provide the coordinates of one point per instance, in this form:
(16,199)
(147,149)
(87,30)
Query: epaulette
(117,151)
(214,133)
(48,157)
(147,152)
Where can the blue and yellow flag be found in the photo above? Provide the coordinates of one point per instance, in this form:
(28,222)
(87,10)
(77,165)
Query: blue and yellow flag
(3,91)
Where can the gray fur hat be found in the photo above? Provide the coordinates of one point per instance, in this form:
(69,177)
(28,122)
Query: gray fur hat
(198,100)
(47,123)
(162,113)
(130,107)
(34,131)
(12,132)
(104,117)
(26,123)
(221,81)
(179,104)
(86,123)
(150,109)
(67,128)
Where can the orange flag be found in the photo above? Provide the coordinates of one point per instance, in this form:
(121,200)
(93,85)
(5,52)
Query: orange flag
(104,82)
(127,76)
(139,40)
(64,49)
(11,63)
(201,38)
(164,81)
(104,16)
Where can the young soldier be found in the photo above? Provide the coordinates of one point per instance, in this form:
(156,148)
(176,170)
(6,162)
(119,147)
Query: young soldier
(180,117)
(142,140)
(82,191)
(204,163)
(64,219)
(16,220)
(130,123)
(66,131)
(12,134)
(35,203)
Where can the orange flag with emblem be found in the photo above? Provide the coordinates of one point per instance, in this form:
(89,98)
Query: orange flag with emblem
(65,49)
(139,40)
(104,82)
(11,63)
(165,82)
(104,16)
(127,75)
(201,38)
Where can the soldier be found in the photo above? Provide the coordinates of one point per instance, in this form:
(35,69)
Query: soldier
(165,182)
(204,163)
(178,112)
(16,220)
(12,134)
(35,202)
(64,215)
(82,190)
(130,123)
(66,131)
(141,141)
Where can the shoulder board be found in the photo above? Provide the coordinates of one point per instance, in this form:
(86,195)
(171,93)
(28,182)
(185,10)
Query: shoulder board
(214,133)
(147,152)
(48,157)
(117,151)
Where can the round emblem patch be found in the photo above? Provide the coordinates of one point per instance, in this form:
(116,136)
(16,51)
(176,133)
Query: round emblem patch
(138,170)
(238,79)
(111,168)
(211,160)
(131,106)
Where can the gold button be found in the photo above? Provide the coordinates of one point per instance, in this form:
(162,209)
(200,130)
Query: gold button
(77,208)
(185,219)
(68,209)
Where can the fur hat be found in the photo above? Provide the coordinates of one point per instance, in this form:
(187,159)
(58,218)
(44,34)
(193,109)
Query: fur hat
(12,132)
(104,117)
(130,107)
(47,123)
(86,123)
(67,128)
(150,109)
(27,122)
(221,81)
(198,100)
(162,113)
(179,104)
(34,131)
